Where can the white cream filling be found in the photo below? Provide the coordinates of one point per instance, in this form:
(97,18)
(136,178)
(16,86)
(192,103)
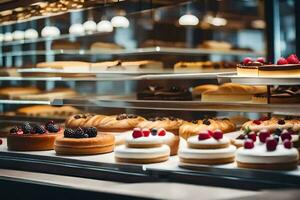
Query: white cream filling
(142,153)
(150,139)
(207,153)
(210,141)
(259,154)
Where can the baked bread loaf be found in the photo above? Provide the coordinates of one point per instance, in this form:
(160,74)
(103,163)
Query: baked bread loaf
(48,111)
(66,65)
(198,90)
(49,95)
(14,92)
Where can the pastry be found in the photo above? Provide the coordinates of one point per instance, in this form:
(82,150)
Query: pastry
(188,129)
(83,141)
(153,43)
(103,66)
(84,120)
(119,125)
(197,66)
(9,72)
(269,124)
(198,90)
(279,95)
(30,137)
(13,92)
(71,66)
(170,124)
(127,66)
(284,67)
(269,155)
(47,111)
(105,45)
(57,93)
(168,94)
(65,45)
(142,147)
(249,67)
(217,45)
(232,92)
(209,148)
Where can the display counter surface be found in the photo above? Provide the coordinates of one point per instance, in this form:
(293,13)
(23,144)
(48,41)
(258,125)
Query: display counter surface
(163,190)
(104,167)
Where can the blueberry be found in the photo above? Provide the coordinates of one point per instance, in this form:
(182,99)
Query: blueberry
(277,132)
(69,133)
(85,135)
(39,129)
(14,130)
(206,122)
(276,137)
(91,131)
(52,128)
(154,131)
(26,128)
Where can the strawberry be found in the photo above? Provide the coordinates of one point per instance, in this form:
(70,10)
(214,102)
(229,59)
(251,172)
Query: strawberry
(271,144)
(263,135)
(204,135)
(293,59)
(248,144)
(145,132)
(252,136)
(137,133)
(261,60)
(287,144)
(1,141)
(161,132)
(282,61)
(217,134)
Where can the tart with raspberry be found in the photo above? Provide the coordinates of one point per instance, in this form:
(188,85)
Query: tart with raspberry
(33,137)
(83,141)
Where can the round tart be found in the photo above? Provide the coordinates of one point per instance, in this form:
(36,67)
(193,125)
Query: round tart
(269,156)
(144,147)
(83,141)
(30,137)
(207,148)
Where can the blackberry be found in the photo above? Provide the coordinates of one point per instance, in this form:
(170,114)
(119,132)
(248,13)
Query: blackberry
(206,122)
(26,128)
(91,131)
(52,128)
(39,129)
(154,131)
(69,133)
(14,130)
(281,122)
(79,132)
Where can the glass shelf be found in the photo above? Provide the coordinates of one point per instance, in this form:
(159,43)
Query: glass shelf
(258,80)
(21,102)
(138,51)
(131,102)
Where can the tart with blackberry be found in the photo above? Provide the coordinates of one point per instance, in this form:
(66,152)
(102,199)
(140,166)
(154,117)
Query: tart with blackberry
(32,137)
(83,141)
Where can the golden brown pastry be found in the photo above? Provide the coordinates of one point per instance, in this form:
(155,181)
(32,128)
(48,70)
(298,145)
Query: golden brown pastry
(47,111)
(198,90)
(13,92)
(66,65)
(49,95)
(84,120)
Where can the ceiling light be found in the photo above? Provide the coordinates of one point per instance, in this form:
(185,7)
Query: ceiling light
(120,22)
(188,20)
(259,24)
(215,21)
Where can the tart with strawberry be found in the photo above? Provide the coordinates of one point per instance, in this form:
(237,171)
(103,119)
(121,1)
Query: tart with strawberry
(84,141)
(207,147)
(270,155)
(145,146)
(285,67)
(33,137)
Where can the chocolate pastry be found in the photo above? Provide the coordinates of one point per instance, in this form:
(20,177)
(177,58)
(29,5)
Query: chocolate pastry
(173,93)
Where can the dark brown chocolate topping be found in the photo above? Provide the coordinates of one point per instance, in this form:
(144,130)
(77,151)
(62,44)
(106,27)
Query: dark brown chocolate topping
(126,116)
(279,67)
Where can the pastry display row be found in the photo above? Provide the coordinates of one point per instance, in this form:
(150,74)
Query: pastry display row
(265,143)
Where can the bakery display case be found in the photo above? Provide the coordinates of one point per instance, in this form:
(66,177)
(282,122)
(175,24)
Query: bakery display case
(150,91)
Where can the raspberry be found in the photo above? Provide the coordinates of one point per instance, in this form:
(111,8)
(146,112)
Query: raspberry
(69,133)
(293,59)
(14,130)
(52,128)
(248,144)
(204,135)
(287,144)
(271,144)
(285,135)
(91,131)
(1,141)
(252,136)
(154,131)
(217,134)
(39,129)
(261,60)
(257,122)
(282,61)
(146,132)
(247,60)
(263,135)
(26,128)
(137,133)
(161,132)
